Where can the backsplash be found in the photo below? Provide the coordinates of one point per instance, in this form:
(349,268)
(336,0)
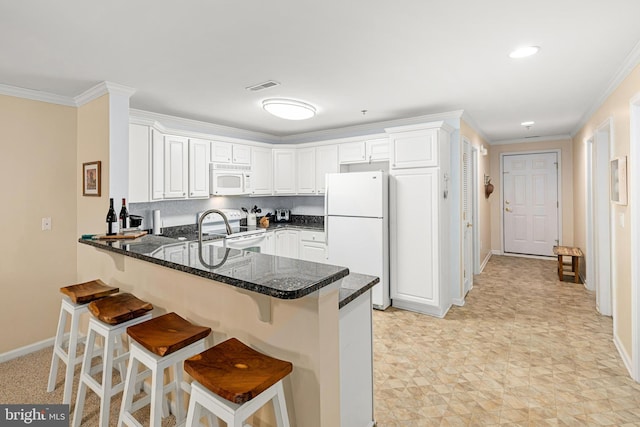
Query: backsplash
(183,212)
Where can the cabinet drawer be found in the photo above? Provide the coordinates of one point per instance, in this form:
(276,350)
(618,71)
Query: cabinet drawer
(312,236)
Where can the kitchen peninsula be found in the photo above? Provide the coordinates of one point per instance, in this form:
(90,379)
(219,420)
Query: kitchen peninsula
(317,316)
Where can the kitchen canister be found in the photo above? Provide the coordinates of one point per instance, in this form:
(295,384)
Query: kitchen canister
(157,222)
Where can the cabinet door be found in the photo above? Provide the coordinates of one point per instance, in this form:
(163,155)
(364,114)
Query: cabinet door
(176,165)
(198,168)
(269,246)
(221,152)
(261,171)
(241,154)
(326,162)
(414,149)
(284,171)
(176,253)
(287,243)
(306,168)
(312,251)
(157,165)
(377,150)
(415,244)
(139,163)
(352,152)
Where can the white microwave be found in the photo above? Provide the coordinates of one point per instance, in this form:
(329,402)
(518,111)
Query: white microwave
(229,180)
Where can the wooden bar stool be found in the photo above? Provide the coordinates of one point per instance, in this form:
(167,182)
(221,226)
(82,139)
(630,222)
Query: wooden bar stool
(233,381)
(163,342)
(113,315)
(74,303)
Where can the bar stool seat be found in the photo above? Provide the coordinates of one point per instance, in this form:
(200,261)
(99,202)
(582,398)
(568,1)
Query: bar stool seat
(163,342)
(74,304)
(112,316)
(233,381)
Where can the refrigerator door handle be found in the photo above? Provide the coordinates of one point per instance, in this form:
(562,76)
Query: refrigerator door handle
(326,215)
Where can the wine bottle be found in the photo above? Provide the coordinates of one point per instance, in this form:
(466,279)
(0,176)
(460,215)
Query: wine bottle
(124,216)
(111,219)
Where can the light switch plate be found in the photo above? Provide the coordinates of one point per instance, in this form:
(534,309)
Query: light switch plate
(46,224)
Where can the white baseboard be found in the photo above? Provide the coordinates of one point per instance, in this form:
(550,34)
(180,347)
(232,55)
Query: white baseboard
(458,301)
(496,252)
(485,261)
(623,354)
(27,349)
(438,312)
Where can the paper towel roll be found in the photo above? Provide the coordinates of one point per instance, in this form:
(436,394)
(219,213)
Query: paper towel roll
(157,222)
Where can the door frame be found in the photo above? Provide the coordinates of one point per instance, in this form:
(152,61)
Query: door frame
(475,202)
(590,280)
(605,297)
(558,152)
(634,190)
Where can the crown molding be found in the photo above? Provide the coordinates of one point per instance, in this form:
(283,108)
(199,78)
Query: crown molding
(165,122)
(472,123)
(534,139)
(368,128)
(101,89)
(36,95)
(631,61)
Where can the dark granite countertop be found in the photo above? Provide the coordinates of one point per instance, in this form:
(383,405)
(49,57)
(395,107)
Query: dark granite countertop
(354,285)
(279,277)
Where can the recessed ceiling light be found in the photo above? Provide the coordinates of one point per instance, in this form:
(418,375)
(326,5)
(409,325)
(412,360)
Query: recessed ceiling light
(524,51)
(289,109)
(527,124)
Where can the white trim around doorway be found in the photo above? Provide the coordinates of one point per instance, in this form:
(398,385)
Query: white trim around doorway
(634,190)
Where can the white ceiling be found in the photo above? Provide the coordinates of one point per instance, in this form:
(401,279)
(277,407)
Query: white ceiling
(396,59)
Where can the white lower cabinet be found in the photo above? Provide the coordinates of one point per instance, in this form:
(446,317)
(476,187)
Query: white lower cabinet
(313,246)
(269,245)
(178,253)
(286,243)
(416,246)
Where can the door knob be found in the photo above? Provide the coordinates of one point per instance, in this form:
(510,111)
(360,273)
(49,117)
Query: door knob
(469,225)
(507,209)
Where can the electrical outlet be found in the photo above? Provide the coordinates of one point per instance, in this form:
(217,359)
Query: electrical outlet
(46,224)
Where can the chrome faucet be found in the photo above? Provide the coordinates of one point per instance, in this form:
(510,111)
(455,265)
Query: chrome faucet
(229,231)
(205,214)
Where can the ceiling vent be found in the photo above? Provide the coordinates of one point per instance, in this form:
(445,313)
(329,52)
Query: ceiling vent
(261,86)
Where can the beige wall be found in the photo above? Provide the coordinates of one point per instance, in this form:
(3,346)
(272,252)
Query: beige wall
(38,170)
(566,179)
(484,214)
(616,108)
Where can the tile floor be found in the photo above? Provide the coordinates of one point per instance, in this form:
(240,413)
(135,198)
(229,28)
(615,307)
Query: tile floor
(525,350)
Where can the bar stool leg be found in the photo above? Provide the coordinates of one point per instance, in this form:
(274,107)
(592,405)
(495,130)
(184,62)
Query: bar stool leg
(177,374)
(157,395)
(129,388)
(82,386)
(53,372)
(107,375)
(280,406)
(71,359)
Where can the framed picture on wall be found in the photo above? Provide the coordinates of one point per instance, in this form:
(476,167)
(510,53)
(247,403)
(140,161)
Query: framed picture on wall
(619,180)
(91,177)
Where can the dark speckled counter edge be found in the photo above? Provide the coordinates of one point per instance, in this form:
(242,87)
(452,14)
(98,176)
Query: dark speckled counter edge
(354,285)
(276,293)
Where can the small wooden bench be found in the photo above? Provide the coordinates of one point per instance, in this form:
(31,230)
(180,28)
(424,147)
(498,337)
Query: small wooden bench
(575,254)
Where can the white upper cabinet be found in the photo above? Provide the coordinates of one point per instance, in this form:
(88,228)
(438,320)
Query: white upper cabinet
(377,149)
(176,165)
(221,152)
(306,170)
(227,152)
(414,149)
(352,152)
(284,171)
(326,162)
(241,154)
(198,168)
(261,171)
(157,165)
(139,163)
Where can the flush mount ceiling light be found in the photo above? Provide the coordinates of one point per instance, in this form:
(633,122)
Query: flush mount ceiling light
(524,51)
(289,109)
(528,124)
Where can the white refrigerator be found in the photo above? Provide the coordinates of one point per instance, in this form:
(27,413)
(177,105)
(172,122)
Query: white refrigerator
(357,226)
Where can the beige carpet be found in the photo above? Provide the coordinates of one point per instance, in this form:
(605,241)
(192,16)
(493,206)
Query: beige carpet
(525,350)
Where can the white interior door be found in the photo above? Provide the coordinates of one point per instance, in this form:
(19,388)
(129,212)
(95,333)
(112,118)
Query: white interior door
(467,216)
(602,221)
(530,203)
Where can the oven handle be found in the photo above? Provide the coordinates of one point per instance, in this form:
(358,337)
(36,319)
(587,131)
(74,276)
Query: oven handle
(243,240)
